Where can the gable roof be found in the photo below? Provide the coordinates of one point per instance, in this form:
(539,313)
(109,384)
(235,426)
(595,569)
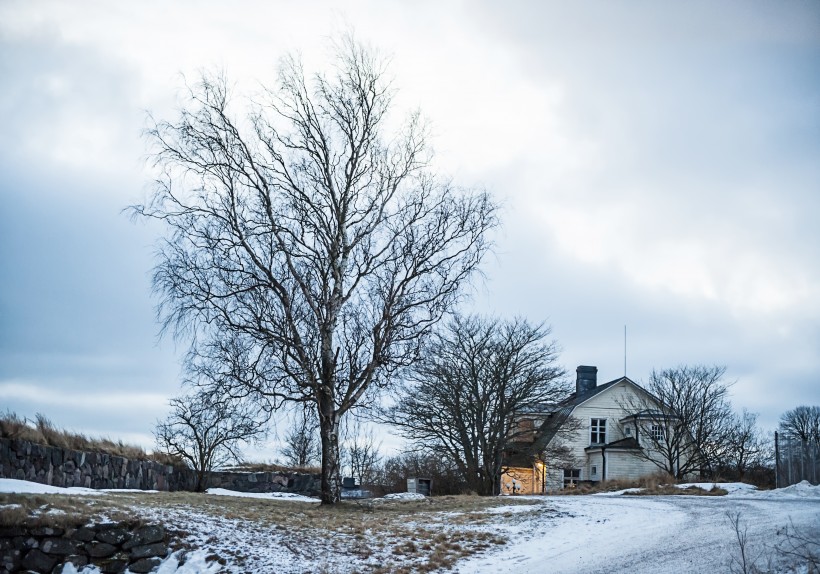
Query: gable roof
(556,419)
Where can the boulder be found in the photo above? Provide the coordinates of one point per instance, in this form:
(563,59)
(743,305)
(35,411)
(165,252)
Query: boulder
(39,561)
(144,565)
(145,535)
(149,550)
(59,546)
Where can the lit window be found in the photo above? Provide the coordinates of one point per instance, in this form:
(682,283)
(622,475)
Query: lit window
(597,434)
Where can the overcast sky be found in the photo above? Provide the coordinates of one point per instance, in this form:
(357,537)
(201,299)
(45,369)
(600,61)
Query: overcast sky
(658,162)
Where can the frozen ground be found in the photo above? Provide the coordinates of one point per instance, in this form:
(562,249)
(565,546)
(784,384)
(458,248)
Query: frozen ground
(559,534)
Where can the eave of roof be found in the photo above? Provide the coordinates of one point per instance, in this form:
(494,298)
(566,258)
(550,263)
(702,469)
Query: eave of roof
(628,443)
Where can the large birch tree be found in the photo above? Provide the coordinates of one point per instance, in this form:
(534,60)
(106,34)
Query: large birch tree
(307,244)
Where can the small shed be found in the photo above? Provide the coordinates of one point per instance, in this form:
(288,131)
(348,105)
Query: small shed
(420,485)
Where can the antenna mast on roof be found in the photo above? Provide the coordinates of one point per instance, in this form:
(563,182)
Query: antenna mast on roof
(624,350)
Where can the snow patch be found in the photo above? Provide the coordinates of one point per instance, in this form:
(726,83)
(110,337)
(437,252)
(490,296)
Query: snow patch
(403,496)
(803,489)
(289,496)
(11,485)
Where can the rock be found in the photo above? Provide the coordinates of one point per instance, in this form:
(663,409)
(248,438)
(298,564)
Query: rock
(59,546)
(10,559)
(11,531)
(113,566)
(84,534)
(30,543)
(39,561)
(144,565)
(149,550)
(114,536)
(47,531)
(145,535)
(100,549)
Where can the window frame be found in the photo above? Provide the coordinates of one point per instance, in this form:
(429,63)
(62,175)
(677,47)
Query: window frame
(657,432)
(572,476)
(597,431)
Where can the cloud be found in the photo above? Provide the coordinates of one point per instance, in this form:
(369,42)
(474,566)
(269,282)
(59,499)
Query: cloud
(657,165)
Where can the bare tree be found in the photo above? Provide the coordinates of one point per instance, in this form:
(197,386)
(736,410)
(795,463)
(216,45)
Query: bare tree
(463,394)
(446,477)
(207,431)
(802,423)
(684,421)
(301,443)
(745,445)
(361,454)
(303,237)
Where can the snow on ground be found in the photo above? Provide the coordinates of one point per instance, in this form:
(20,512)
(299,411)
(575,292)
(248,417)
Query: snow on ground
(800,490)
(26,487)
(403,496)
(266,495)
(559,534)
(648,534)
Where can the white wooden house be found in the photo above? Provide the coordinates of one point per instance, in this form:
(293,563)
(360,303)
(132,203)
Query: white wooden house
(599,428)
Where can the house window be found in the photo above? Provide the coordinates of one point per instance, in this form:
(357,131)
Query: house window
(594,471)
(628,431)
(656,432)
(597,432)
(571,477)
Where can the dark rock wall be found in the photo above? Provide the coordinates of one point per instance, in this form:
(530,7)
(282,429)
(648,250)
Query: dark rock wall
(24,460)
(112,547)
(60,467)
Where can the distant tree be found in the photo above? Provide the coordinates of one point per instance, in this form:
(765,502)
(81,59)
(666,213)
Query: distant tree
(360,454)
(802,423)
(685,420)
(746,447)
(471,380)
(301,446)
(309,237)
(446,478)
(207,431)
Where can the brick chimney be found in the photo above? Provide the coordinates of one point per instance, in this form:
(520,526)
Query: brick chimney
(586,379)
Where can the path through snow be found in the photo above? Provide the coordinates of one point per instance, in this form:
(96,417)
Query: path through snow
(648,534)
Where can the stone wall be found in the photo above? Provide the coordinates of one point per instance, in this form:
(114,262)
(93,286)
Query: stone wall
(112,547)
(308,484)
(60,467)
(24,460)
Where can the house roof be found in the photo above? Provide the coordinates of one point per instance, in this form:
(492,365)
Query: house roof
(557,418)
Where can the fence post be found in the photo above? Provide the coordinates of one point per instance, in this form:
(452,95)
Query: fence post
(776,461)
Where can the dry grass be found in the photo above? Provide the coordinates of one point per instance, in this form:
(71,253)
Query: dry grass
(43,431)
(653,485)
(271,467)
(35,510)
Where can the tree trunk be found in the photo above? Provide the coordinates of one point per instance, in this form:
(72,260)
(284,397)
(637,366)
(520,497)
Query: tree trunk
(201,479)
(331,478)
